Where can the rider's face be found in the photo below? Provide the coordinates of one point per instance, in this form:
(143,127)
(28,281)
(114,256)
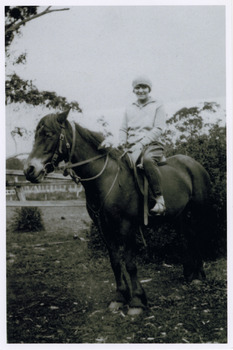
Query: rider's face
(142,92)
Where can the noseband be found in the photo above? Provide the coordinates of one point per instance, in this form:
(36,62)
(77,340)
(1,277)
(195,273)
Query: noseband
(68,167)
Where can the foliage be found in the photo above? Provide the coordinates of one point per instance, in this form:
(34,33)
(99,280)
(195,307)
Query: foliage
(163,245)
(18,16)
(189,121)
(28,220)
(15,16)
(104,126)
(14,163)
(17,89)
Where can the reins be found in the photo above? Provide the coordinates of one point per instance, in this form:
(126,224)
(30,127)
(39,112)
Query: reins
(68,170)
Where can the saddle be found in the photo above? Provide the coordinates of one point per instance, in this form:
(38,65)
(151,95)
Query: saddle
(142,183)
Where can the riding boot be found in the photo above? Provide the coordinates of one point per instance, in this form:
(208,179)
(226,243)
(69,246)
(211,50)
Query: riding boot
(159,208)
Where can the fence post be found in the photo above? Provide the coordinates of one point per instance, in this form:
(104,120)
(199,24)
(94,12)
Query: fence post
(20,193)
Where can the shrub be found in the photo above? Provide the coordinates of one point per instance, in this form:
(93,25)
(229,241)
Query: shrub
(164,244)
(28,220)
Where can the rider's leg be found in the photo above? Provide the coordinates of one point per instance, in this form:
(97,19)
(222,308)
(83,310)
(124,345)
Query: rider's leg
(150,159)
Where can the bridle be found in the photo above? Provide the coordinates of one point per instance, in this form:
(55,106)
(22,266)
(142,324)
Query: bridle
(68,167)
(50,166)
(68,170)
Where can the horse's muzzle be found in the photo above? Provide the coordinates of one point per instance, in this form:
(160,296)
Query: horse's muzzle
(33,176)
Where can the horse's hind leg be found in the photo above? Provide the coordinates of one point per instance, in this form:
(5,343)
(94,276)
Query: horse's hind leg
(191,229)
(193,264)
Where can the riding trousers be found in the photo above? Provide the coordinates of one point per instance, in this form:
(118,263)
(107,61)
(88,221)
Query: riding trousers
(150,157)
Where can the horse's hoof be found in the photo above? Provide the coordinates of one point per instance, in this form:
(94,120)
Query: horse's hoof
(115,305)
(196,282)
(135,311)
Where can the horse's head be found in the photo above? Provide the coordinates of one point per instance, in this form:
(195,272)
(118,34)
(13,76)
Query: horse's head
(50,147)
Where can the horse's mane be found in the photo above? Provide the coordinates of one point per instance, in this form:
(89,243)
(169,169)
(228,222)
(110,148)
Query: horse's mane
(92,137)
(96,138)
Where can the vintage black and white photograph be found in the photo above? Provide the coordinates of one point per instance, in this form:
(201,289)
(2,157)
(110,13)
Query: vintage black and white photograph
(116,124)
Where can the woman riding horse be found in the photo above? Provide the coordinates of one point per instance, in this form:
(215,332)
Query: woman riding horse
(113,200)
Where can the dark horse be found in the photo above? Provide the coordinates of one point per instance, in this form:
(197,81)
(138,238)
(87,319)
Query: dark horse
(113,199)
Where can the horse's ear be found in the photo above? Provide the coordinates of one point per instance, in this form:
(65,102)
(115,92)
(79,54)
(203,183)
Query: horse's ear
(61,118)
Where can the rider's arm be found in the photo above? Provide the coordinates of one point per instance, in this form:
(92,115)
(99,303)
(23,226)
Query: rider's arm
(158,128)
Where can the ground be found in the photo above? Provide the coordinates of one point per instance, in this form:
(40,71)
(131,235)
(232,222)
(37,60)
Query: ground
(58,292)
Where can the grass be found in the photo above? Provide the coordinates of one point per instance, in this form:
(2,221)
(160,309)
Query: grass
(57,292)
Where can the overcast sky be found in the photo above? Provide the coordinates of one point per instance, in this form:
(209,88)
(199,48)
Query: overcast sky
(92,53)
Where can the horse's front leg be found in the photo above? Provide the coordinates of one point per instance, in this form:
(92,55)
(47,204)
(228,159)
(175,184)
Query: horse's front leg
(138,300)
(128,289)
(122,295)
(121,246)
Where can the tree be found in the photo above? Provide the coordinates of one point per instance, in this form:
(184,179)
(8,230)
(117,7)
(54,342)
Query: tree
(104,126)
(19,90)
(189,121)
(18,16)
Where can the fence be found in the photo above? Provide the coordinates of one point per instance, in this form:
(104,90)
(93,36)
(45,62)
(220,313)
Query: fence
(18,187)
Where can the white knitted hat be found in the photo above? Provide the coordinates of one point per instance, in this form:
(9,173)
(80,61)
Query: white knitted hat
(142,80)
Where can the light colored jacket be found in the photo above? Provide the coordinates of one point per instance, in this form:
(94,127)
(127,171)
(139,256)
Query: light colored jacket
(143,123)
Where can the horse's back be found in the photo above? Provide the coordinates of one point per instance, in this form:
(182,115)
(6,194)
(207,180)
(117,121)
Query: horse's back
(187,165)
(184,180)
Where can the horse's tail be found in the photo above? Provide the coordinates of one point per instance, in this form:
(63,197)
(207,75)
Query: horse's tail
(204,208)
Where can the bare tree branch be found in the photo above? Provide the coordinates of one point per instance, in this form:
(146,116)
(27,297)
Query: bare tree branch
(13,28)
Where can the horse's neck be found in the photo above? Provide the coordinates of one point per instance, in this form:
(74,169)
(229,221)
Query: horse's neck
(104,170)
(103,178)
(86,151)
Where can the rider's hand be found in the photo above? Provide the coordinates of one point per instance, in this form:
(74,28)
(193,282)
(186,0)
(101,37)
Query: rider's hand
(136,148)
(105,144)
